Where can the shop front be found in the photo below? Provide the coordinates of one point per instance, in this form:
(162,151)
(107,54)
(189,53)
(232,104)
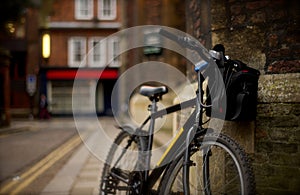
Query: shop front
(93,87)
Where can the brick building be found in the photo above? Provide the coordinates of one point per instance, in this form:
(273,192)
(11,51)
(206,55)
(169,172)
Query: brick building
(154,12)
(169,13)
(265,35)
(78,32)
(19,41)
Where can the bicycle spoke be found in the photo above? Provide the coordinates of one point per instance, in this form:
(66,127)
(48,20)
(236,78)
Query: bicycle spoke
(225,189)
(224,169)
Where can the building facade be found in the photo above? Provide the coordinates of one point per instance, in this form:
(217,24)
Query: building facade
(264,35)
(79,33)
(19,41)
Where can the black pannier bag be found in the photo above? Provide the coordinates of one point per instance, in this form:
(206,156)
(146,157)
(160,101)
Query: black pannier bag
(241,85)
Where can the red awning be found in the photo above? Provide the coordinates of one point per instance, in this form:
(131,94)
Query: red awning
(81,74)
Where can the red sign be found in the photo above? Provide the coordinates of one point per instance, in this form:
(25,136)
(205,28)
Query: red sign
(81,74)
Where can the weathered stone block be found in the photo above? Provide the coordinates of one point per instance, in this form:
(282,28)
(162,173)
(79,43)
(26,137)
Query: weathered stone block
(285,159)
(273,40)
(239,19)
(264,170)
(258,17)
(283,134)
(236,9)
(279,53)
(275,109)
(279,88)
(264,147)
(285,121)
(297,136)
(256,4)
(294,184)
(242,132)
(286,171)
(284,66)
(285,148)
(260,158)
(275,181)
(275,191)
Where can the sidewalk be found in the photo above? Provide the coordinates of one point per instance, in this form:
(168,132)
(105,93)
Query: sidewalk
(21,125)
(81,174)
(17,126)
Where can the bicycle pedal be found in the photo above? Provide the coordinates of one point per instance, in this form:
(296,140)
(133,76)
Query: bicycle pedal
(120,175)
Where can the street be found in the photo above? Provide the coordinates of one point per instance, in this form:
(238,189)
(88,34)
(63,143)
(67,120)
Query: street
(57,156)
(35,151)
(22,149)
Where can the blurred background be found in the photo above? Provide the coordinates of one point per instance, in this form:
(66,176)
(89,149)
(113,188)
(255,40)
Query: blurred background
(43,42)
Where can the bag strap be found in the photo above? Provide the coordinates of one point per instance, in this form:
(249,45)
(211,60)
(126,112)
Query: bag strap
(241,100)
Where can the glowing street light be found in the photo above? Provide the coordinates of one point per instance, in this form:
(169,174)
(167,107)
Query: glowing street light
(46,46)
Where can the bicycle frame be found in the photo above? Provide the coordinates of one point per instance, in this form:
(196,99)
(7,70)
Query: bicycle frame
(180,143)
(188,140)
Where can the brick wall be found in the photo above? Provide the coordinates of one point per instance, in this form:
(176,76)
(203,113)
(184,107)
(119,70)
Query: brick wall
(265,35)
(277,138)
(60,36)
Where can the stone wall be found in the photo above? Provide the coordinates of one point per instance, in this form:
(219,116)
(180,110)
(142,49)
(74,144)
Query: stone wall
(265,35)
(277,135)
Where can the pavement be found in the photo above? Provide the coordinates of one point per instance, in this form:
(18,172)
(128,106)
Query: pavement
(81,173)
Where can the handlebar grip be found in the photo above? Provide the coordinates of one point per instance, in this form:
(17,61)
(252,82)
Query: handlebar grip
(169,35)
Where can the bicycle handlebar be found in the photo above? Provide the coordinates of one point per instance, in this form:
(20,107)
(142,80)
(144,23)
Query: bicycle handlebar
(181,40)
(189,43)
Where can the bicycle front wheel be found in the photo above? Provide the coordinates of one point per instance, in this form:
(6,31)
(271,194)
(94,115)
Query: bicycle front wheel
(220,166)
(124,162)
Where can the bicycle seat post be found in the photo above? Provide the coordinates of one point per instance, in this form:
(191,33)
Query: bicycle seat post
(154,94)
(152,108)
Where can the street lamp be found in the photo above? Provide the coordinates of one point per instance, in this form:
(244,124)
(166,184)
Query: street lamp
(46,46)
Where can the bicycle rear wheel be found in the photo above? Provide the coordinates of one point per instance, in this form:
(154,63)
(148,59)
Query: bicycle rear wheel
(220,166)
(121,169)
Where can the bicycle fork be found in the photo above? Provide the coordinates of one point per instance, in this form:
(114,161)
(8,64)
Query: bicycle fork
(190,136)
(187,162)
(205,170)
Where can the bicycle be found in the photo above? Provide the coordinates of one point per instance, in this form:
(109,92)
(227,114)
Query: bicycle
(198,160)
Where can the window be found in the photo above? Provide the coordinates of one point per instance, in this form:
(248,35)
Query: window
(100,52)
(107,9)
(76,51)
(97,52)
(83,9)
(114,51)
(64,99)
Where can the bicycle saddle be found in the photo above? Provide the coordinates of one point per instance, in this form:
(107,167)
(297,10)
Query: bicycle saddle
(151,91)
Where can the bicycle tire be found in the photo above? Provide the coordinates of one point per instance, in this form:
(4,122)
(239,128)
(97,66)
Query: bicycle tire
(223,151)
(109,185)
